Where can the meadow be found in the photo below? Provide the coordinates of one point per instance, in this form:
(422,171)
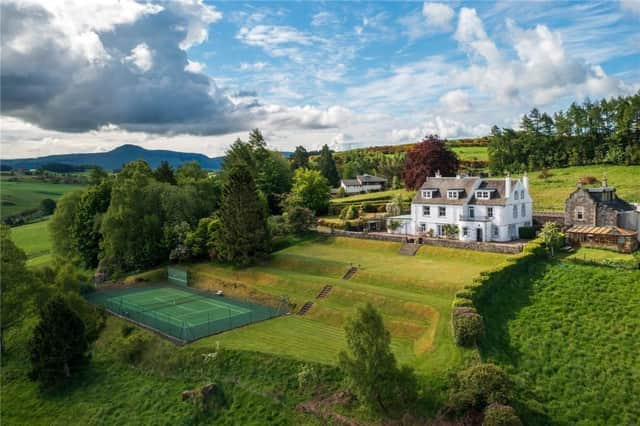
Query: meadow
(466,153)
(569,335)
(35,240)
(19,196)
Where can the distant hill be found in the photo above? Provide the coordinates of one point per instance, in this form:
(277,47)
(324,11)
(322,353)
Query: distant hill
(116,158)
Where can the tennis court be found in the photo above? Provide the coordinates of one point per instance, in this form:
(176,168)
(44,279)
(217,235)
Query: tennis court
(182,313)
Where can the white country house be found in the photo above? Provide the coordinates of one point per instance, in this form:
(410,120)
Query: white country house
(481,209)
(363,183)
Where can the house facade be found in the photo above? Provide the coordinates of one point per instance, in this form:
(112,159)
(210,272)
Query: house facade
(363,183)
(468,208)
(597,217)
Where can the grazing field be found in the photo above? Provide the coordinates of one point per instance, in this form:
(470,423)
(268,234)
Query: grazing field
(20,196)
(35,240)
(550,193)
(466,153)
(414,294)
(570,336)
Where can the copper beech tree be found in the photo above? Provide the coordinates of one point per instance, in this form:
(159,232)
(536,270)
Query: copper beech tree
(425,159)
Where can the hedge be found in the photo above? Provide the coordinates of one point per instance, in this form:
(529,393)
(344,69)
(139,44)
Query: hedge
(500,415)
(468,327)
(527,232)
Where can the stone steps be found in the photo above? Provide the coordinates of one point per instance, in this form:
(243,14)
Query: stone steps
(324,292)
(350,273)
(305,308)
(409,249)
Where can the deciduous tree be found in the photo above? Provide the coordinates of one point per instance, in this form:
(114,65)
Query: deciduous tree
(311,190)
(425,159)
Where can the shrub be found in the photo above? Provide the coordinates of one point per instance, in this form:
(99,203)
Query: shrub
(462,303)
(527,232)
(464,294)
(368,207)
(131,348)
(545,174)
(588,180)
(468,328)
(500,415)
(382,208)
(482,385)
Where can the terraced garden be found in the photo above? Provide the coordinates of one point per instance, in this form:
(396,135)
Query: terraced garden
(414,295)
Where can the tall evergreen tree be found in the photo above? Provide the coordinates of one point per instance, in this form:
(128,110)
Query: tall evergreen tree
(243,235)
(299,158)
(327,166)
(164,173)
(59,346)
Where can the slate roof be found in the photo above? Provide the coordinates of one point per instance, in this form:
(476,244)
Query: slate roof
(466,185)
(370,179)
(350,182)
(615,203)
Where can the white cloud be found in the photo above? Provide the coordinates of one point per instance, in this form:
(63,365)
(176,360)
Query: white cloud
(307,116)
(441,126)
(256,66)
(324,18)
(632,6)
(142,57)
(199,16)
(194,66)
(438,15)
(456,101)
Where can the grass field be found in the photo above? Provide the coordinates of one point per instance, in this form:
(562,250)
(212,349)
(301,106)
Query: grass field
(570,336)
(471,152)
(180,313)
(588,253)
(35,240)
(19,196)
(414,294)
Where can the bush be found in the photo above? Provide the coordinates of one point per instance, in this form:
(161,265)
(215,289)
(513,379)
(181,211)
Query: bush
(368,208)
(468,328)
(588,180)
(462,303)
(349,213)
(341,193)
(500,415)
(527,232)
(131,348)
(464,294)
(482,385)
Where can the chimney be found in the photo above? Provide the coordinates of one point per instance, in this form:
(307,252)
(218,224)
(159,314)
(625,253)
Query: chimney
(438,175)
(525,181)
(604,180)
(579,183)
(458,176)
(507,185)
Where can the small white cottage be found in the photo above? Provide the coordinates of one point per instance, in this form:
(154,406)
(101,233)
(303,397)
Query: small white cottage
(363,183)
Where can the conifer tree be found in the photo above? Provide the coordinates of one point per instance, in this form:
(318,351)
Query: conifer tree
(327,165)
(164,173)
(243,235)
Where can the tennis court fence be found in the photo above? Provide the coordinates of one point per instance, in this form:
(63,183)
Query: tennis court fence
(149,315)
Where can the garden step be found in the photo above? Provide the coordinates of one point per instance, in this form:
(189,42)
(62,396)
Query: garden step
(324,292)
(409,249)
(305,308)
(350,273)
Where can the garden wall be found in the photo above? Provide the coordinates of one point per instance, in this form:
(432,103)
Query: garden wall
(508,248)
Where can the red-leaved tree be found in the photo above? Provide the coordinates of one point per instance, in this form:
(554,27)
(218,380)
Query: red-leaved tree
(425,159)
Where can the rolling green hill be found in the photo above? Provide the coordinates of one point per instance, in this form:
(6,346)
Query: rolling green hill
(19,196)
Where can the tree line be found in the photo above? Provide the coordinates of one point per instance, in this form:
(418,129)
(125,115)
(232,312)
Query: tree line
(605,131)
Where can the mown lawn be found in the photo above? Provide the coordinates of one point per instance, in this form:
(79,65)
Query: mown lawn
(374,196)
(414,294)
(588,253)
(35,240)
(570,336)
(471,152)
(19,196)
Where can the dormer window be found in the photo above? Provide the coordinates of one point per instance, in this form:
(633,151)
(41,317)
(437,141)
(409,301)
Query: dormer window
(452,195)
(427,194)
(515,195)
(483,195)
(522,194)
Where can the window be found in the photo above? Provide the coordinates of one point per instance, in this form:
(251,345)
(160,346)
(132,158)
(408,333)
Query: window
(523,211)
(580,213)
(423,227)
(483,195)
(426,210)
(426,194)
(495,231)
(440,230)
(442,211)
(522,194)
(515,212)
(452,195)
(515,195)
(489,211)
(465,232)
(471,211)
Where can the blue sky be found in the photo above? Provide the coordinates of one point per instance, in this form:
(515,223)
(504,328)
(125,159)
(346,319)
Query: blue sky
(195,76)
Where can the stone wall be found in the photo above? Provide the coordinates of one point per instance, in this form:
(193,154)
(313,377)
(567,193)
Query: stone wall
(580,198)
(540,218)
(606,216)
(506,248)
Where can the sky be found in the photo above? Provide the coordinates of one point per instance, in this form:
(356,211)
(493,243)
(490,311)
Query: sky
(79,76)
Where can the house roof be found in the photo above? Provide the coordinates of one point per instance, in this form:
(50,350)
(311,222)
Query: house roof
(365,179)
(466,187)
(597,194)
(601,230)
(350,182)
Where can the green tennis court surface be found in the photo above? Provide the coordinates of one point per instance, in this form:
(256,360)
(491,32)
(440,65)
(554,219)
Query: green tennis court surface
(180,312)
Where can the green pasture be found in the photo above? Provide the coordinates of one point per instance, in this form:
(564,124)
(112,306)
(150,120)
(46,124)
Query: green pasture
(595,254)
(414,294)
(467,153)
(35,240)
(24,195)
(374,196)
(569,335)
